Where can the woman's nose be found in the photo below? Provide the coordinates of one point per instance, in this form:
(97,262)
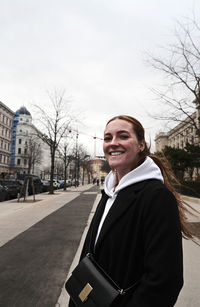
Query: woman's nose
(114,141)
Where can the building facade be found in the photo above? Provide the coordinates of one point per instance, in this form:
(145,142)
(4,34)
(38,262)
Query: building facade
(96,169)
(180,135)
(6,120)
(29,153)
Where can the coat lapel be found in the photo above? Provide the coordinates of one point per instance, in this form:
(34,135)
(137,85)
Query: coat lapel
(124,199)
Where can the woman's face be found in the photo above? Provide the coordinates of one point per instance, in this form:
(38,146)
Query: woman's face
(121,146)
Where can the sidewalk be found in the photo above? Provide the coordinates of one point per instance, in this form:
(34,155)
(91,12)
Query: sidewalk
(190,295)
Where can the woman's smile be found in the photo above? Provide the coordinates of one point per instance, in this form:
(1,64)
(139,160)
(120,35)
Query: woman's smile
(116,153)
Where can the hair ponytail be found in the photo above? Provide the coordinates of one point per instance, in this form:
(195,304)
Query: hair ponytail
(166,170)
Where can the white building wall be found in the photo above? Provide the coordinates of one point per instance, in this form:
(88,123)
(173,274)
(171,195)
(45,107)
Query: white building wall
(26,131)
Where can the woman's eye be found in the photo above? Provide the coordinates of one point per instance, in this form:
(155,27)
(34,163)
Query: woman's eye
(107,139)
(123,137)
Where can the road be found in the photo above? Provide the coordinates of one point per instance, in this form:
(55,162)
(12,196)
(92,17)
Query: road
(39,242)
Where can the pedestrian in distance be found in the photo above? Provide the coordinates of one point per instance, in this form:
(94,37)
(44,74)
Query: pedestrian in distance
(136,232)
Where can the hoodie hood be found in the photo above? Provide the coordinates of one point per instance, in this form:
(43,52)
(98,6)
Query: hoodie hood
(147,170)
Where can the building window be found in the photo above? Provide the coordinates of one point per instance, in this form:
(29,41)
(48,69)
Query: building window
(25,151)
(18,161)
(19,151)
(20,141)
(25,161)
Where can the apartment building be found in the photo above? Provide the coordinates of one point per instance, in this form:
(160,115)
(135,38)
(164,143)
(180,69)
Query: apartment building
(180,135)
(6,120)
(29,152)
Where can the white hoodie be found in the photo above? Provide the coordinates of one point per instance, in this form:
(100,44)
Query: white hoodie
(147,170)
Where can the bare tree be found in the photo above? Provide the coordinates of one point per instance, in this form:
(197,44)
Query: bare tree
(84,162)
(181,69)
(66,157)
(56,123)
(33,153)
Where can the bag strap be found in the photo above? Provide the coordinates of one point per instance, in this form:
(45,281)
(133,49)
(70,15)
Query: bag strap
(121,291)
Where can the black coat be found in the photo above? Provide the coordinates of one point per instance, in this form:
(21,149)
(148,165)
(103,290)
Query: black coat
(140,240)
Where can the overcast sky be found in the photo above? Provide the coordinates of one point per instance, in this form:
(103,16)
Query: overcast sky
(94,49)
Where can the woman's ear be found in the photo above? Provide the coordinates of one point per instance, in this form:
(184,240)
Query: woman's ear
(142,146)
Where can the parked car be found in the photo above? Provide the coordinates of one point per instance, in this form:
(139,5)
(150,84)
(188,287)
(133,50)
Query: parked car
(45,185)
(61,183)
(68,183)
(36,182)
(56,184)
(13,187)
(3,193)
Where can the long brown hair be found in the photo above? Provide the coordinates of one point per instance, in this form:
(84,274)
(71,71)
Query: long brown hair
(166,171)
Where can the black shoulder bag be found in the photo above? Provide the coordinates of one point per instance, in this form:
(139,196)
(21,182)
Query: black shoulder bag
(90,286)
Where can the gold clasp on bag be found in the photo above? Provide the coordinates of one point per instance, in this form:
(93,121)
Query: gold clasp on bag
(83,295)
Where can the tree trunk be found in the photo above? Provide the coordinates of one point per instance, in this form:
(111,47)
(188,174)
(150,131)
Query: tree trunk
(65,177)
(51,190)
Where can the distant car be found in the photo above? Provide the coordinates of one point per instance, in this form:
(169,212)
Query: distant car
(45,185)
(61,183)
(68,183)
(56,184)
(3,193)
(13,187)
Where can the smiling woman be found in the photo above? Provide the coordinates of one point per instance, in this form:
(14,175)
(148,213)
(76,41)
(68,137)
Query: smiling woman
(136,232)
